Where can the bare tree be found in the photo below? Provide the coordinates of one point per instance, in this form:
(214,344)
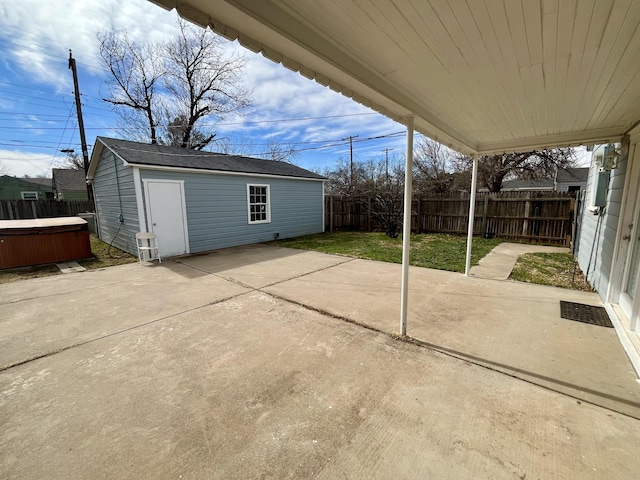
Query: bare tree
(493,170)
(376,187)
(173,87)
(134,83)
(202,81)
(175,134)
(279,152)
(73,160)
(434,167)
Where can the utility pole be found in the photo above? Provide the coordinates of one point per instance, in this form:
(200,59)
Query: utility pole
(83,138)
(351,137)
(386,151)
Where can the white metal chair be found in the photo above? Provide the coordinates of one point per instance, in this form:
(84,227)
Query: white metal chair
(147,244)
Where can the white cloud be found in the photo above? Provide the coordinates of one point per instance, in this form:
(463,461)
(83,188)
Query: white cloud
(41,32)
(20,164)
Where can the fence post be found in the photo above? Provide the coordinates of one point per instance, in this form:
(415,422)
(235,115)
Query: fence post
(34,211)
(483,230)
(527,211)
(368,214)
(331,214)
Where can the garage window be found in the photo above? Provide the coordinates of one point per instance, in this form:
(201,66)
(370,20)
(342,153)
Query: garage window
(259,203)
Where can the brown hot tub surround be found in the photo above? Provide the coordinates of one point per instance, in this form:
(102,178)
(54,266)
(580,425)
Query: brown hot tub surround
(43,240)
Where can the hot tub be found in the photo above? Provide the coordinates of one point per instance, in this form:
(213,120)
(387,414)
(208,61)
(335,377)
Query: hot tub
(43,240)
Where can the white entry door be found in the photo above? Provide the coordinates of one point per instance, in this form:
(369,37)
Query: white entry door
(630,295)
(166,214)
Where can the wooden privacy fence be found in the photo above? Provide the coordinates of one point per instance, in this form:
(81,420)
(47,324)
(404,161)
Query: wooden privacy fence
(534,217)
(26,209)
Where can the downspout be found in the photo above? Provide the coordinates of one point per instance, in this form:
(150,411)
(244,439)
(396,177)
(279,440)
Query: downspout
(406,227)
(472,213)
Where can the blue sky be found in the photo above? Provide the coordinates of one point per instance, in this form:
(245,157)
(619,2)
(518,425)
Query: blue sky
(37,111)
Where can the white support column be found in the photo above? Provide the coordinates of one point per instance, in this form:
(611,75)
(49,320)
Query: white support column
(472,213)
(406,227)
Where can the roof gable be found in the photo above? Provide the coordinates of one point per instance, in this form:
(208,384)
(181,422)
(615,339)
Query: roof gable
(147,155)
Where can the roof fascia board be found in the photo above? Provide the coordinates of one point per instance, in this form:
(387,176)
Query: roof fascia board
(634,134)
(218,172)
(591,137)
(95,158)
(328,63)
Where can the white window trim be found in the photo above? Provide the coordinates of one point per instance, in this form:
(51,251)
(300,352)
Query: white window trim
(268,187)
(22,194)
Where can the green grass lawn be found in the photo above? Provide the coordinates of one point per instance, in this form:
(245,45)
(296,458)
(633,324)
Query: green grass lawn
(103,256)
(553,269)
(439,251)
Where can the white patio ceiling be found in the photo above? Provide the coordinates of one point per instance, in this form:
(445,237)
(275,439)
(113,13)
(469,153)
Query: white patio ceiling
(483,76)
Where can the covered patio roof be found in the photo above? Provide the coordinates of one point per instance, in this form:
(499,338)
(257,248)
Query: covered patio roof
(482,77)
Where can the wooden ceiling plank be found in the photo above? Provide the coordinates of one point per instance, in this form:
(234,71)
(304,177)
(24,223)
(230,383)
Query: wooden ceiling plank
(465,19)
(533,25)
(620,89)
(489,52)
(563,55)
(455,31)
(574,84)
(611,22)
(597,23)
(619,63)
(500,24)
(515,19)
(552,91)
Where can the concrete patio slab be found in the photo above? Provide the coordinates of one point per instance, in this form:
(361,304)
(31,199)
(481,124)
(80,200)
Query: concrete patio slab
(257,266)
(172,371)
(50,313)
(500,261)
(256,387)
(508,326)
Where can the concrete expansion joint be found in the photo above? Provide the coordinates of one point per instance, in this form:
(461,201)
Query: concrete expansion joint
(113,334)
(59,294)
(309,273)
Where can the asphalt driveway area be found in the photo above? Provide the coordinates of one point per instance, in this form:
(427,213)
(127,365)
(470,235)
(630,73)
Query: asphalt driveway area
(269,363)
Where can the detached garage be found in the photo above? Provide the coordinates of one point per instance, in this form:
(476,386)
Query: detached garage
(196,201)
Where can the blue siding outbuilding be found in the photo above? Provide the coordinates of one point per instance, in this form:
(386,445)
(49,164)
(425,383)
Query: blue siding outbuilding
(198,201)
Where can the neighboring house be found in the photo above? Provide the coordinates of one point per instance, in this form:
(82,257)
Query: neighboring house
(537,185)
(196,201)
(566,180)
(571,179)
(12,188)
(608,248)
(69,184)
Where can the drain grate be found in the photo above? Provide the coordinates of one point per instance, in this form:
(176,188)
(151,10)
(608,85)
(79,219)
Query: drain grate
(585,313)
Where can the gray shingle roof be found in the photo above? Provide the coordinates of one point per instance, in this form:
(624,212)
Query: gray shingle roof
(528,184)
(573,175)
(44,182)
(69,179)
(163,156)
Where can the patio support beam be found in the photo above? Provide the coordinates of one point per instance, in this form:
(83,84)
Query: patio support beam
(472,213)
(406,226)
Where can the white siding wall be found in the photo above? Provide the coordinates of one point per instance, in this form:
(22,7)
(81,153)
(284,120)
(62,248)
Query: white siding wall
(598,232)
